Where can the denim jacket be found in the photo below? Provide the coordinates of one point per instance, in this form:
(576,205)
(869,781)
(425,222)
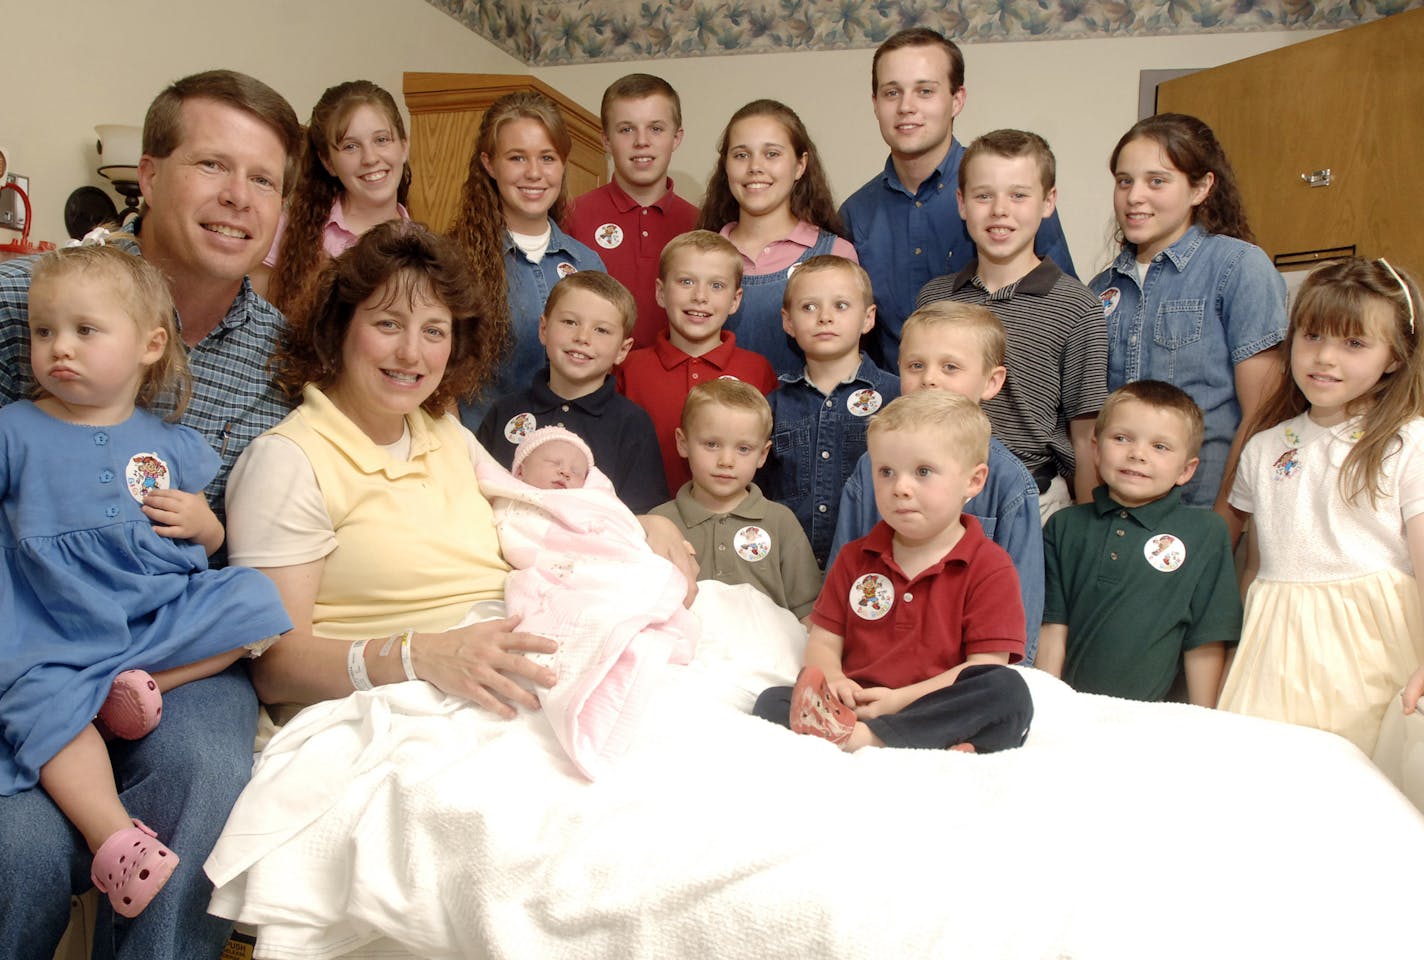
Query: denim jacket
(815,442)
(1007,509)
(1207,303)
(529,285)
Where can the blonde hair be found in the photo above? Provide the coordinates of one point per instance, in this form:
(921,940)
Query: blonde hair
(956,419)
(602,286)
(1161,396)
(143,292)
(1332,302)
(733,394)
(700,241)
(824,263)
(981,321)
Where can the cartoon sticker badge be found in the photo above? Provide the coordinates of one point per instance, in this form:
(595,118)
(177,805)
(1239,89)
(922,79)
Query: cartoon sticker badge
(864,402)
(609,236)
(1165,552)
(519,426)
(752,543)
(146,472)
(1110,298)
(871,596)
(565,270)
(1287,464)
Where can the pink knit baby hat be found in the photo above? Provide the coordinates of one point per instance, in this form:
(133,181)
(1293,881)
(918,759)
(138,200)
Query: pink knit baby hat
(542,436)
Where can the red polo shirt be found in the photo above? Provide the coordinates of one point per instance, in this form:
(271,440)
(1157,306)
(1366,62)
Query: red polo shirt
(898,630)
(659,378)
(630,238)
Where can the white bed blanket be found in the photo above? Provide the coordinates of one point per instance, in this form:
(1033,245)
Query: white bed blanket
(402,823)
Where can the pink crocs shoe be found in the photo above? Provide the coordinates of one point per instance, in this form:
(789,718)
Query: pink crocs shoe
(131,867)
(816,711)
(133,707)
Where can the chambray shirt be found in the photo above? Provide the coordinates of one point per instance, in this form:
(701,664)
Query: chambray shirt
(905,239)
(816,440)
(1007,509)
(1207,303)
(233,397)
(529,285)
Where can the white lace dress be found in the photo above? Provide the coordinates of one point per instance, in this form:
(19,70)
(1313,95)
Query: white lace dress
(1333,626)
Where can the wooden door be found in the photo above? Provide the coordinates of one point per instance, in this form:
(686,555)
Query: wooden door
(445,113)
(1352,102)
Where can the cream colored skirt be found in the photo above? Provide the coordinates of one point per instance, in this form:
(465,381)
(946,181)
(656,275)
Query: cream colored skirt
(1333,656)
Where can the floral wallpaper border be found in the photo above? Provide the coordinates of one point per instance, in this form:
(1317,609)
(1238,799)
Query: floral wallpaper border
(546,33)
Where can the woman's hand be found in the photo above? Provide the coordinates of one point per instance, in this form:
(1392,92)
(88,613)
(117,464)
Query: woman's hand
(668,542)
(480,662)
(1413,691)
(179,515)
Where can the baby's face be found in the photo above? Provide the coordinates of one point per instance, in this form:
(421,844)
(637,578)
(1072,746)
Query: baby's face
(555,465)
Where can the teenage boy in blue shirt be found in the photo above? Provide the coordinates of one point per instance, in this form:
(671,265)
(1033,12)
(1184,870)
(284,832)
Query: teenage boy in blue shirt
(820,414)
(905,223)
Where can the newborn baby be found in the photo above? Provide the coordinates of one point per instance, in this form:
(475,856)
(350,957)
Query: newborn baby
(585,577)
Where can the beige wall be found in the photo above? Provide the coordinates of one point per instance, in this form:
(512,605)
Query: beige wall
(80,68)
(1079,94)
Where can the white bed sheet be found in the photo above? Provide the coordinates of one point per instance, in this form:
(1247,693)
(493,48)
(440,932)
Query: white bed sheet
(402,823)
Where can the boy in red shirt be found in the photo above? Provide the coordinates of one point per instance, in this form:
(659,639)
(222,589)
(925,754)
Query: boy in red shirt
(699,284)
(916,621)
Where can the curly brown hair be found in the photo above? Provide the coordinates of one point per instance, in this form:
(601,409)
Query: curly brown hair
(811,198)
(479,228)
(1194,150)
(394,259)
(317,188)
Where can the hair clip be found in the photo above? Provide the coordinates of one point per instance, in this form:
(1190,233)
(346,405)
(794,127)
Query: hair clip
(94,238)
(1408,300)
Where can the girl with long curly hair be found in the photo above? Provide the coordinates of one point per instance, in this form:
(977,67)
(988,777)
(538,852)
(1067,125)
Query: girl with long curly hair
(354,173)
(511,204)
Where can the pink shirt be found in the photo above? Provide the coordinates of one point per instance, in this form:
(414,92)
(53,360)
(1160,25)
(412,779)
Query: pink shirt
(780,254)
(336,236)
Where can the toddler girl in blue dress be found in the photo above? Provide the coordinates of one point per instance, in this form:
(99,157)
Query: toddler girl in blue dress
(104,540)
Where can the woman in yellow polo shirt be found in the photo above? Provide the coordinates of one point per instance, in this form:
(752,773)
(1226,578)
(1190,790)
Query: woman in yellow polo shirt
(362,505)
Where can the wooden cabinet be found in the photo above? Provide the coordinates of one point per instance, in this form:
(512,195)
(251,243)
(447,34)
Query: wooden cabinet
(445,113)
(1352,102)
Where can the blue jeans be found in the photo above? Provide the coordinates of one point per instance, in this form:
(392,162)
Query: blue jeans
(182,780)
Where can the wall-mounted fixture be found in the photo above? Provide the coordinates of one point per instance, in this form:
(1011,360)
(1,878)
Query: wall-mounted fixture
(119,148)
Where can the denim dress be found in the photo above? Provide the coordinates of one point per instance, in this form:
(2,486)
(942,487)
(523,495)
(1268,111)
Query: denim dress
(1207,303)
(757,321)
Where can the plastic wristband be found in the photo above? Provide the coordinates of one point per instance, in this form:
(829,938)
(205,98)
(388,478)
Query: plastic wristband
(405,637)
(356,665)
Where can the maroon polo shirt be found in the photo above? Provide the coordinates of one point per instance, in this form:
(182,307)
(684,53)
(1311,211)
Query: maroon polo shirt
(899,630)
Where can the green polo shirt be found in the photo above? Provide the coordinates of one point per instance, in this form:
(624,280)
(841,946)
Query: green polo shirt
(1137,587)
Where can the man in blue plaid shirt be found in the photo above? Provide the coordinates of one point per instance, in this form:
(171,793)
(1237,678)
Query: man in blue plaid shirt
(219,151)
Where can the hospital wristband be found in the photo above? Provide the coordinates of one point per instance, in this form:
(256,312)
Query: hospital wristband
(356,665)
(406,636)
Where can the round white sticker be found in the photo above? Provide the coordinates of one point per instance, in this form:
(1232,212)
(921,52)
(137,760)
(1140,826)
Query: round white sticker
(609,235)
(1165,552)
(519,426)
(752,543)
(1110,298)
(864,402)
(146,472)
(871,596)
(566,270)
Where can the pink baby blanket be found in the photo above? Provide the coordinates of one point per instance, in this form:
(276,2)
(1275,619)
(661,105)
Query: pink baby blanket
(585,577)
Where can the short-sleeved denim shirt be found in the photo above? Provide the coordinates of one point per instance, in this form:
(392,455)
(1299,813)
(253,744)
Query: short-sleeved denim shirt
(1207,303)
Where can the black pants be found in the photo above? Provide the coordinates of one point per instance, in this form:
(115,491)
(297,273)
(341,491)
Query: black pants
(987,705)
